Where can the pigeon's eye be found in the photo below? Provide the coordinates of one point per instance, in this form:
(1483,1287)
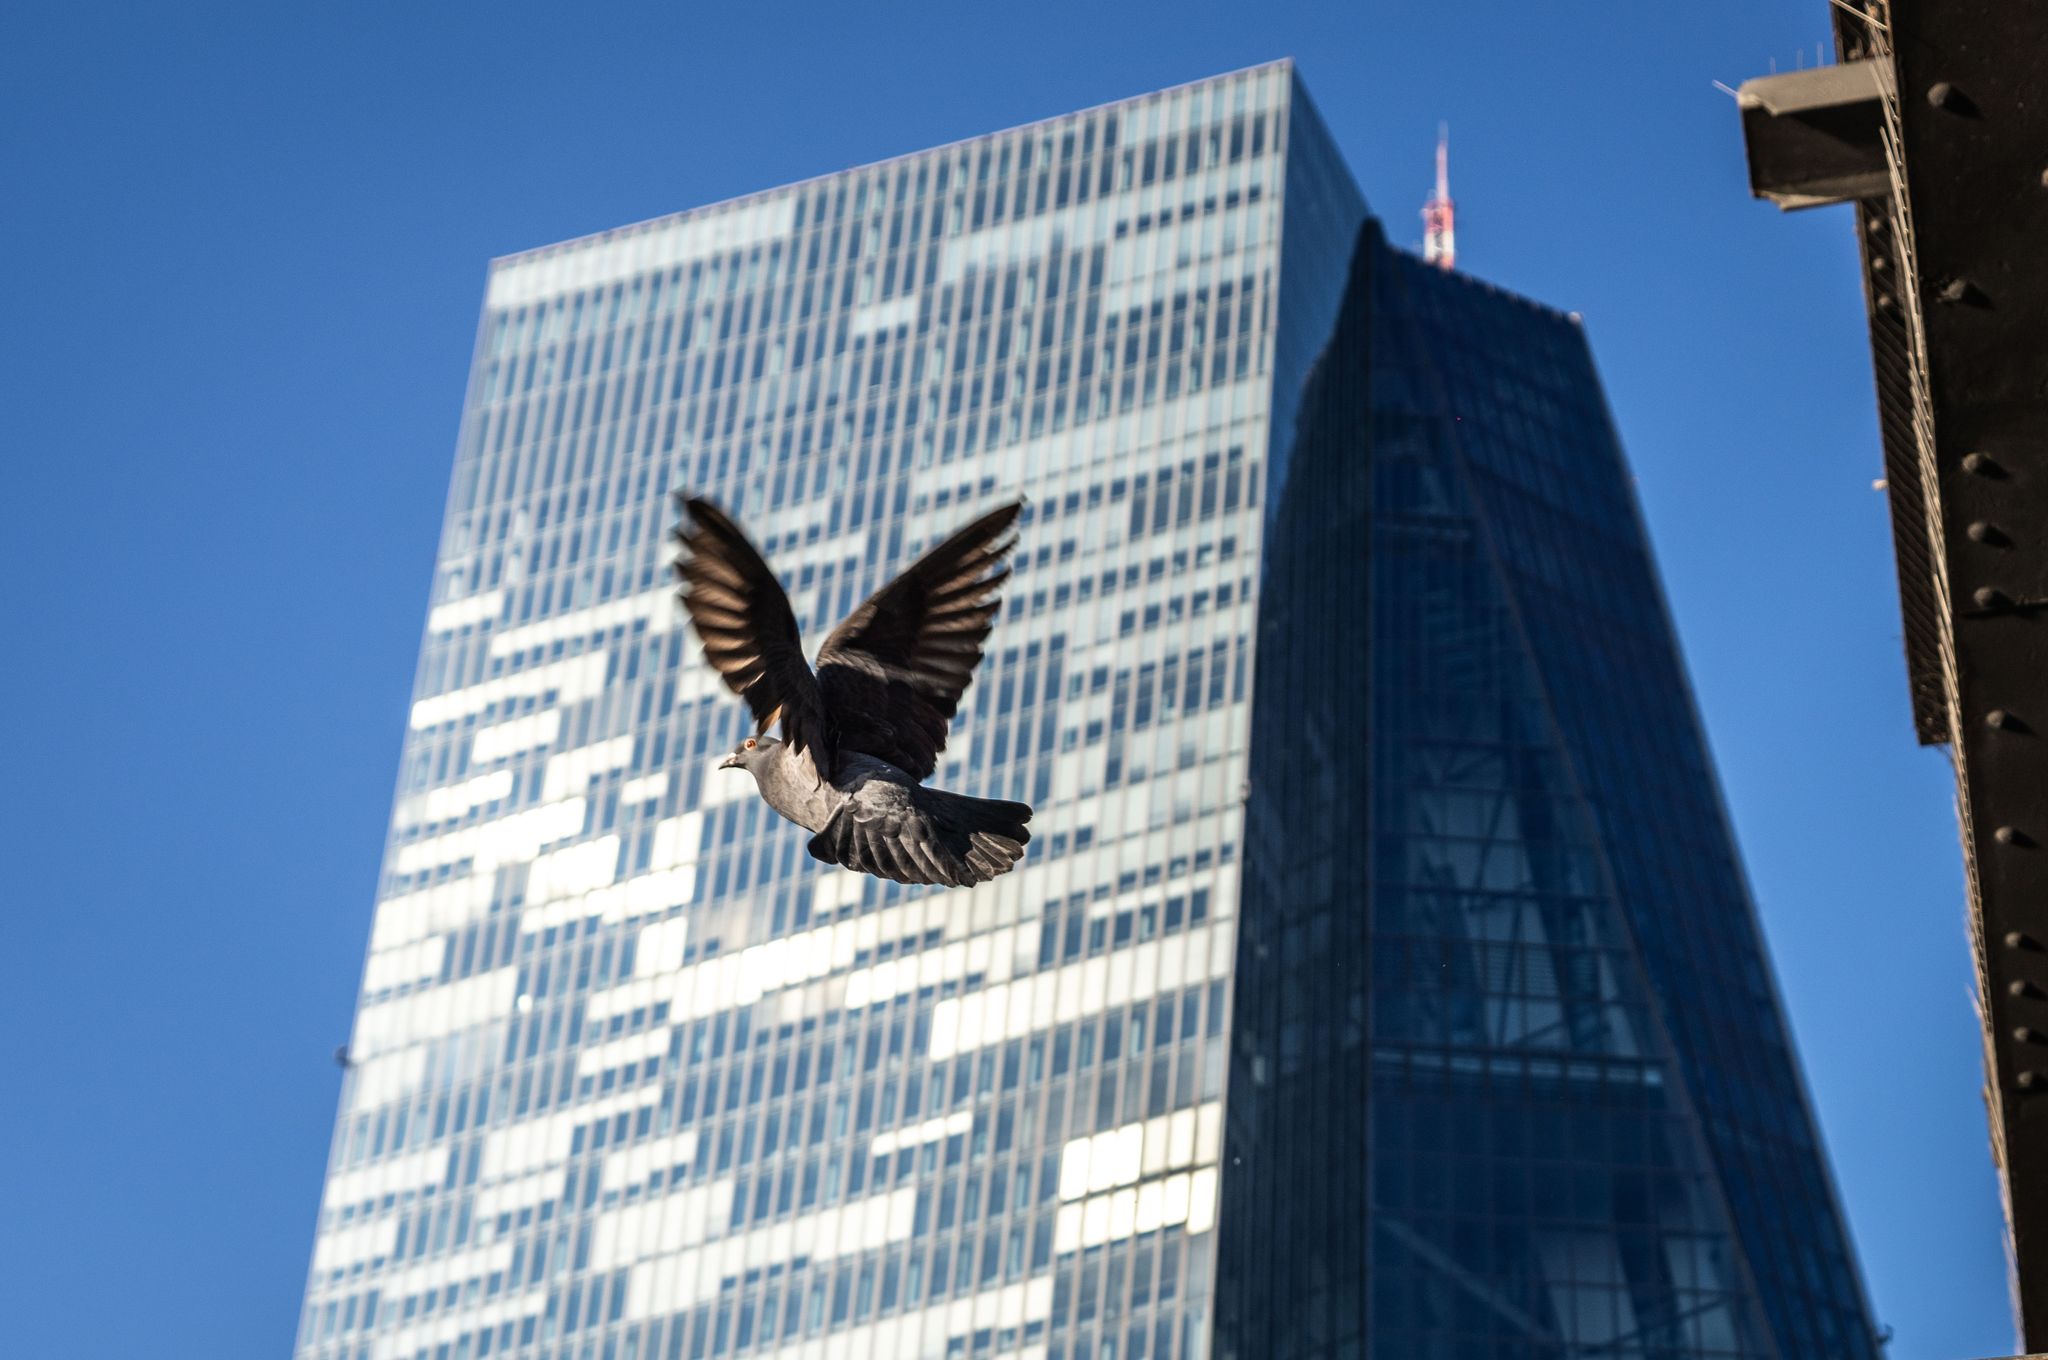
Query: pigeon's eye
(750,743)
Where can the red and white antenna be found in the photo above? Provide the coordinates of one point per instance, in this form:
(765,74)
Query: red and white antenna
(1439,214)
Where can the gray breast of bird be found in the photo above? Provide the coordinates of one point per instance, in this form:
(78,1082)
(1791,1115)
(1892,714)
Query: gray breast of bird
(864,729)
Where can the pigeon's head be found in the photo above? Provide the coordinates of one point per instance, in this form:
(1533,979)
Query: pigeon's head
(749,753)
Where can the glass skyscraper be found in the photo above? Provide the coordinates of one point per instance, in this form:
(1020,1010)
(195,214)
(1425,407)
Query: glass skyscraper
(1381,978)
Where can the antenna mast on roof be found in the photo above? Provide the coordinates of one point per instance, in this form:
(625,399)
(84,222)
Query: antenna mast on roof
(1439,237)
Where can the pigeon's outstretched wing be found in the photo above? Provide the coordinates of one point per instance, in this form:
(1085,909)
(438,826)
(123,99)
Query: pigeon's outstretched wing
(747,628)
(892,674)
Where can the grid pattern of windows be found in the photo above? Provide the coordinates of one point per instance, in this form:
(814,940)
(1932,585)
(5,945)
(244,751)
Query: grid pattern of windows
(1366,973)
(632,1075)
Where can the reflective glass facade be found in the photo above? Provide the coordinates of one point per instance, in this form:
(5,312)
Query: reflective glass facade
(1571,1003)
(633,1076)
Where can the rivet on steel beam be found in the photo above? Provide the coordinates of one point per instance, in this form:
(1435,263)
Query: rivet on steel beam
(1983,531)
(1982,465)
(1988,597)
(1958,291)
(2012,835)
(1885,302)
(2017,940)
(2025,1035)
(2021,987)
(2029,1081)
(1949,99)
(2004,722)
(1878,264)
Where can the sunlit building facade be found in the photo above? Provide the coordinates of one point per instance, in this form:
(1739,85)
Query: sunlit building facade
(1381,978)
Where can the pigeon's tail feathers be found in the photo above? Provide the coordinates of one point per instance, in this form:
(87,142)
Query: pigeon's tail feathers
(994,815)
(995,829)
(927,836)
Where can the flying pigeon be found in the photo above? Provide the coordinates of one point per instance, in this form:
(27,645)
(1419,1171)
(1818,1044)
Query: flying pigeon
(862,732)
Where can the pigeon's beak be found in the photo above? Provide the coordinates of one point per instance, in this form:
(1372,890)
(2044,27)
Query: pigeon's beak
(731,762)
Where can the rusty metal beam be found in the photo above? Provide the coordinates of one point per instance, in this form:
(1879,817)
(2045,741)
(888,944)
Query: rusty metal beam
(1974,133)
(1953,248)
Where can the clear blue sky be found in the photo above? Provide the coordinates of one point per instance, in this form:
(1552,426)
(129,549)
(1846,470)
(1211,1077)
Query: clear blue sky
(244,252)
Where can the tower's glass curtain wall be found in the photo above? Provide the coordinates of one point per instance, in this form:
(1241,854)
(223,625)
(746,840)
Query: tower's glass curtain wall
(1447,918)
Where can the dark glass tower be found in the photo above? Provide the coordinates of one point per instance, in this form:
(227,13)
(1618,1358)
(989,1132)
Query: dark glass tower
(1509,1073)
(1381,979)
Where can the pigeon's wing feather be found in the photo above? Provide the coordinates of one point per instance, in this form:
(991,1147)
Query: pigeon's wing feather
(892,674)
(748,630)
(917,835)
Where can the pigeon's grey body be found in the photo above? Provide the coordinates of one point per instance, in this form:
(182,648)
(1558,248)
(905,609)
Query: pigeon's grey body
(790,784)
(864,731)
